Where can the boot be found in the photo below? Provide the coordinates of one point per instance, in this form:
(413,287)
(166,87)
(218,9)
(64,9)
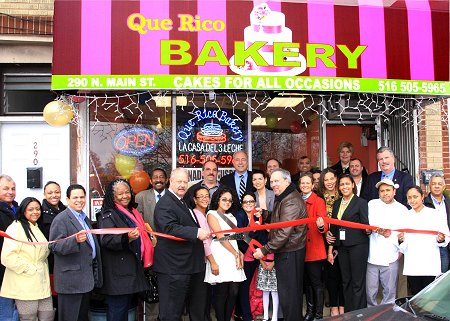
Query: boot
(28,317)
(46,315)
(318,298)
(310,311)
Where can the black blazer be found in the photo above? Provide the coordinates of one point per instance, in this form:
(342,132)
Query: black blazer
(177,257)
(404,180)
(428,202)
(123,271)
(228,180)
(357,211)
(260,236)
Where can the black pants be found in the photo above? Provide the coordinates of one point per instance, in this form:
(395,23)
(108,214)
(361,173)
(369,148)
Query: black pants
(353,263)
(333,283)
(73,307)
(244,289)
(225,295)
(418,283)
(290,269)
(173,290)
(313,274)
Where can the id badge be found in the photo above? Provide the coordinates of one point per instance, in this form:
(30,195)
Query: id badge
(342,235)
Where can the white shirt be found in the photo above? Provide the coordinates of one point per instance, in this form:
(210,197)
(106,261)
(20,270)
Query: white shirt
(385,250)
(422,257)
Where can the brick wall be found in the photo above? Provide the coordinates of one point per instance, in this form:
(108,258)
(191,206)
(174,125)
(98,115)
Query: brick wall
(27,7)
(434,140)
(26,17)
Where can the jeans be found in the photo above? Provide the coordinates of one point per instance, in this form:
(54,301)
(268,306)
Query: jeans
(444,259)
(8,311)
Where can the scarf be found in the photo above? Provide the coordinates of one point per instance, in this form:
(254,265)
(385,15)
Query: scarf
(146,244)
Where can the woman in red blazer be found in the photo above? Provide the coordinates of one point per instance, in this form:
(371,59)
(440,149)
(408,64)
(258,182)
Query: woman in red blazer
(315,248)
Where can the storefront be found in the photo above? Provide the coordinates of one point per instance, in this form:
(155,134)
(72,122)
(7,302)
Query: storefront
(176,83)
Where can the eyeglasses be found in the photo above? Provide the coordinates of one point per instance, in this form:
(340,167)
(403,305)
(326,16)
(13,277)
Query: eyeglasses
(248,202)
(202,197)
(226,200)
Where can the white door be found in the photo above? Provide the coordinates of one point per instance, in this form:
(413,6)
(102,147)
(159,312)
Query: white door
(31,145)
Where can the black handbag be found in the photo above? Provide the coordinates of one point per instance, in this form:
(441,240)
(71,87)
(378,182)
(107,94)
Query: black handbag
(151,295)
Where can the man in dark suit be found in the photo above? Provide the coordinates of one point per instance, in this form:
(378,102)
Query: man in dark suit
(179,265)
(357,172)
(240,181)
(386,161)
(147,199)
(437,200)
(77,267)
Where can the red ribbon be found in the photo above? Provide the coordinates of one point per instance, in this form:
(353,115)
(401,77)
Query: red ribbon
(253,226)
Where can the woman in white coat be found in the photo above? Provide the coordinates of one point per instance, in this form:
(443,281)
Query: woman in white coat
(422,257)
(27,277)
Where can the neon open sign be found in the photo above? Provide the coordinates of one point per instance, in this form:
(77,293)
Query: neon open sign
(135,141)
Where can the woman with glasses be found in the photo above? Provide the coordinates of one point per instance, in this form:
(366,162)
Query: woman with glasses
(226,254)
(243,217)
(352,244)
(315,248)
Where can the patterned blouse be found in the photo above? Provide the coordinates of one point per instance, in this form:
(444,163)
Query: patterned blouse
(330,198)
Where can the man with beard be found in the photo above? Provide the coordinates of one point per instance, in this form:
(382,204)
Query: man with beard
(147,199)
(288,244)
(209,181)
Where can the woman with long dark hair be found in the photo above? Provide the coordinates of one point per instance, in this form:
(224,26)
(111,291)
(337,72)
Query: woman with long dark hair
(126,255)
(226,254)
(27,277)
(352,244)
(328,190)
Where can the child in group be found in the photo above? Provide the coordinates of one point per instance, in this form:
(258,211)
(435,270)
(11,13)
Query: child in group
(267,282)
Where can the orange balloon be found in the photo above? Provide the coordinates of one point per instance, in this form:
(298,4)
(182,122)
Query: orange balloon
(139,181)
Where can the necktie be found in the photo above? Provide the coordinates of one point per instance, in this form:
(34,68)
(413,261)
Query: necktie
(90,238)
(158,197)
(241,186)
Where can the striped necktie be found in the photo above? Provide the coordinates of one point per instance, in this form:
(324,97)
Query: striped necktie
(158,197)
(241,186)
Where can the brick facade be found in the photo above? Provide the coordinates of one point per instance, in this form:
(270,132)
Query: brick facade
(433,139)
(27,7)
(26,17)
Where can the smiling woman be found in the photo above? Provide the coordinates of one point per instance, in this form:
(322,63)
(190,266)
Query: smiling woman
(27,277)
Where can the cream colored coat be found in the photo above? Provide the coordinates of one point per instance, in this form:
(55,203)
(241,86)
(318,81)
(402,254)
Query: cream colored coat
(26,276)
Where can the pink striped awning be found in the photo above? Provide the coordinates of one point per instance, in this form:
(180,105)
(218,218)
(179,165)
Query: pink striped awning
(399,39)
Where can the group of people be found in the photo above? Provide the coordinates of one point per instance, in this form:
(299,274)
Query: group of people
(213,266)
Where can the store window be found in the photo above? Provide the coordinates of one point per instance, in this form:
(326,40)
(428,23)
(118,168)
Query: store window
(129,136)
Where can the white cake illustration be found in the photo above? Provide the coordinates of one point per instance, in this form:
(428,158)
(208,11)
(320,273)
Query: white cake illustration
(269,26)
(211,133)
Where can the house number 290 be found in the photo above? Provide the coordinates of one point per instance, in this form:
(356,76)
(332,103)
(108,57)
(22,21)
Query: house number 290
(35,151)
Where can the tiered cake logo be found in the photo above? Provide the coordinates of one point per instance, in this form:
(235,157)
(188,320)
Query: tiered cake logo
(269,26)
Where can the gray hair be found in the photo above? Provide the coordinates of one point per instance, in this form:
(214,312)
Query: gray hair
(6,177)
(437,175)
(179,170)
(383,149)
(284,173)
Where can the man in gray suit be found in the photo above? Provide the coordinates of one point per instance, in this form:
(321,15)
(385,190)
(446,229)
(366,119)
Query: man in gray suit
(147,199)
(77,259)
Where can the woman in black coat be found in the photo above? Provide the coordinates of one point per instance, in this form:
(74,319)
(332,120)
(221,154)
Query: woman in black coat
(125,255)
(352,244)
